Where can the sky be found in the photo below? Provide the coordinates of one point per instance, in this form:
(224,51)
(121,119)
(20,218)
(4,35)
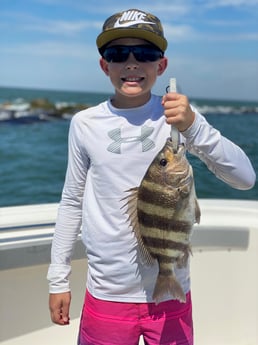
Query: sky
(212,45)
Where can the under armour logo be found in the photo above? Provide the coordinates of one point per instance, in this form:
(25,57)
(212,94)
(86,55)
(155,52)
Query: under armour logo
(115,135)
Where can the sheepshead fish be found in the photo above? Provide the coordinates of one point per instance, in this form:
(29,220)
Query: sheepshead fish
(162,211)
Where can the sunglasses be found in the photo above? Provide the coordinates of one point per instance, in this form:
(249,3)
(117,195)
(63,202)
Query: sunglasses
(142,53)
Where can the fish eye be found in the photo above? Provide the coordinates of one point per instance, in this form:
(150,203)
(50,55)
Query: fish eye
(163,162)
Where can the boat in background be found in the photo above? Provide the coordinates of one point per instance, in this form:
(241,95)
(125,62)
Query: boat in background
(223,272)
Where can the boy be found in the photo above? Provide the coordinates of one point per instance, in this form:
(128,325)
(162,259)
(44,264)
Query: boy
(110,148)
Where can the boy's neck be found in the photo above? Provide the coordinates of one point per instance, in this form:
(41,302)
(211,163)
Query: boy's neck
(125,102)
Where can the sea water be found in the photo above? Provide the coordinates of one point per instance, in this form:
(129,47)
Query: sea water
(33,156)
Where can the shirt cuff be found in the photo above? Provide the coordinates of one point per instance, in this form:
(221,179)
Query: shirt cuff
(58,278)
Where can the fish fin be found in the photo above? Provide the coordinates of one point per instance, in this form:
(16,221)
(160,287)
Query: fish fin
(168,285)
(131,211)
(182,261)
(130,206)
(197,212)
(145,256)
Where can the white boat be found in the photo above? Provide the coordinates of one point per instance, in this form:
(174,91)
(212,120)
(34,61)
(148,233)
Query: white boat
(223,269)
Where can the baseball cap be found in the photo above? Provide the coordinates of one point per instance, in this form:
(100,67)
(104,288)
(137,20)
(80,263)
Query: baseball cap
(132,23)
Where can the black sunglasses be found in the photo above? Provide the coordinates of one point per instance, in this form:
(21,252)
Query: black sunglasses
(142,53)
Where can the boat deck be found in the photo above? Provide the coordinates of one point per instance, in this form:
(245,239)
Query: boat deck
(223,272)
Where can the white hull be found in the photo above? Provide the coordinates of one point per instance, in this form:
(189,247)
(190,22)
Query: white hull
(223,270)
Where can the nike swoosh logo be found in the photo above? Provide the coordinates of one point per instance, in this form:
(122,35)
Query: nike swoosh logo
(130,23)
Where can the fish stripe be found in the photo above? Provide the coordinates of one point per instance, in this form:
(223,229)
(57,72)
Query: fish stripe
(179,177)
(180,237)
(156,194)
(162,258)
(169,253)
(166,260)
(149,208)
(162,223)
(154,186)
(159,243)
(165,272)
(167,265)
(180,261)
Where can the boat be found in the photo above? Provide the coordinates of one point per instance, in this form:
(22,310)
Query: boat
(223,272)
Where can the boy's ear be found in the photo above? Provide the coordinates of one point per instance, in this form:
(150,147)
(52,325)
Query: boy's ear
(162,65)
(104,66)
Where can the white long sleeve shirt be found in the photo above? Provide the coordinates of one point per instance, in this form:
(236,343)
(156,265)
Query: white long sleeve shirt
(109,151)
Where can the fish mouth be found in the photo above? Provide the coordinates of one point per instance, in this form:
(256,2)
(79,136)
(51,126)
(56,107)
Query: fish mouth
(181,147)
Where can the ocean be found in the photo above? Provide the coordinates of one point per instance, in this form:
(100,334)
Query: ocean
(33,156)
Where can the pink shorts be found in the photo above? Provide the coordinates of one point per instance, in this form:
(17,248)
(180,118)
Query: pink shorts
(115,323)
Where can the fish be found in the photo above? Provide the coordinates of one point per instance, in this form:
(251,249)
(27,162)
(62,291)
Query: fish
(162,212)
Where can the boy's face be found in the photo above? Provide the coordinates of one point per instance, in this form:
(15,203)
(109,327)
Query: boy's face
(133,80)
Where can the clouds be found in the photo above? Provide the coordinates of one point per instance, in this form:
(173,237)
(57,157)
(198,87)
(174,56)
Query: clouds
(60,27)
(54,40)
(26,23)
(232,3)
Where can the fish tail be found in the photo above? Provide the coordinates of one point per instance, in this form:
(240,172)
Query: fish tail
(168,285)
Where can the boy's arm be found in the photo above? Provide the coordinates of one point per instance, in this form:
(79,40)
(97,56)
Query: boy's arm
(68,225)
(65,236)
(66,233)
(225,159)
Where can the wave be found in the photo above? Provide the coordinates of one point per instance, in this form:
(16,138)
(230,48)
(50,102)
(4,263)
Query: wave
(226,109)
(21,111)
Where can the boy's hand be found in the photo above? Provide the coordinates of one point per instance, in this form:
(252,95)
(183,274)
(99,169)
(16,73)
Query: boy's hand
(59,305)
(178,111)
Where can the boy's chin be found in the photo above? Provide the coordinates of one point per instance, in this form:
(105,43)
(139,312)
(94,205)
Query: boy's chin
(132,90)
